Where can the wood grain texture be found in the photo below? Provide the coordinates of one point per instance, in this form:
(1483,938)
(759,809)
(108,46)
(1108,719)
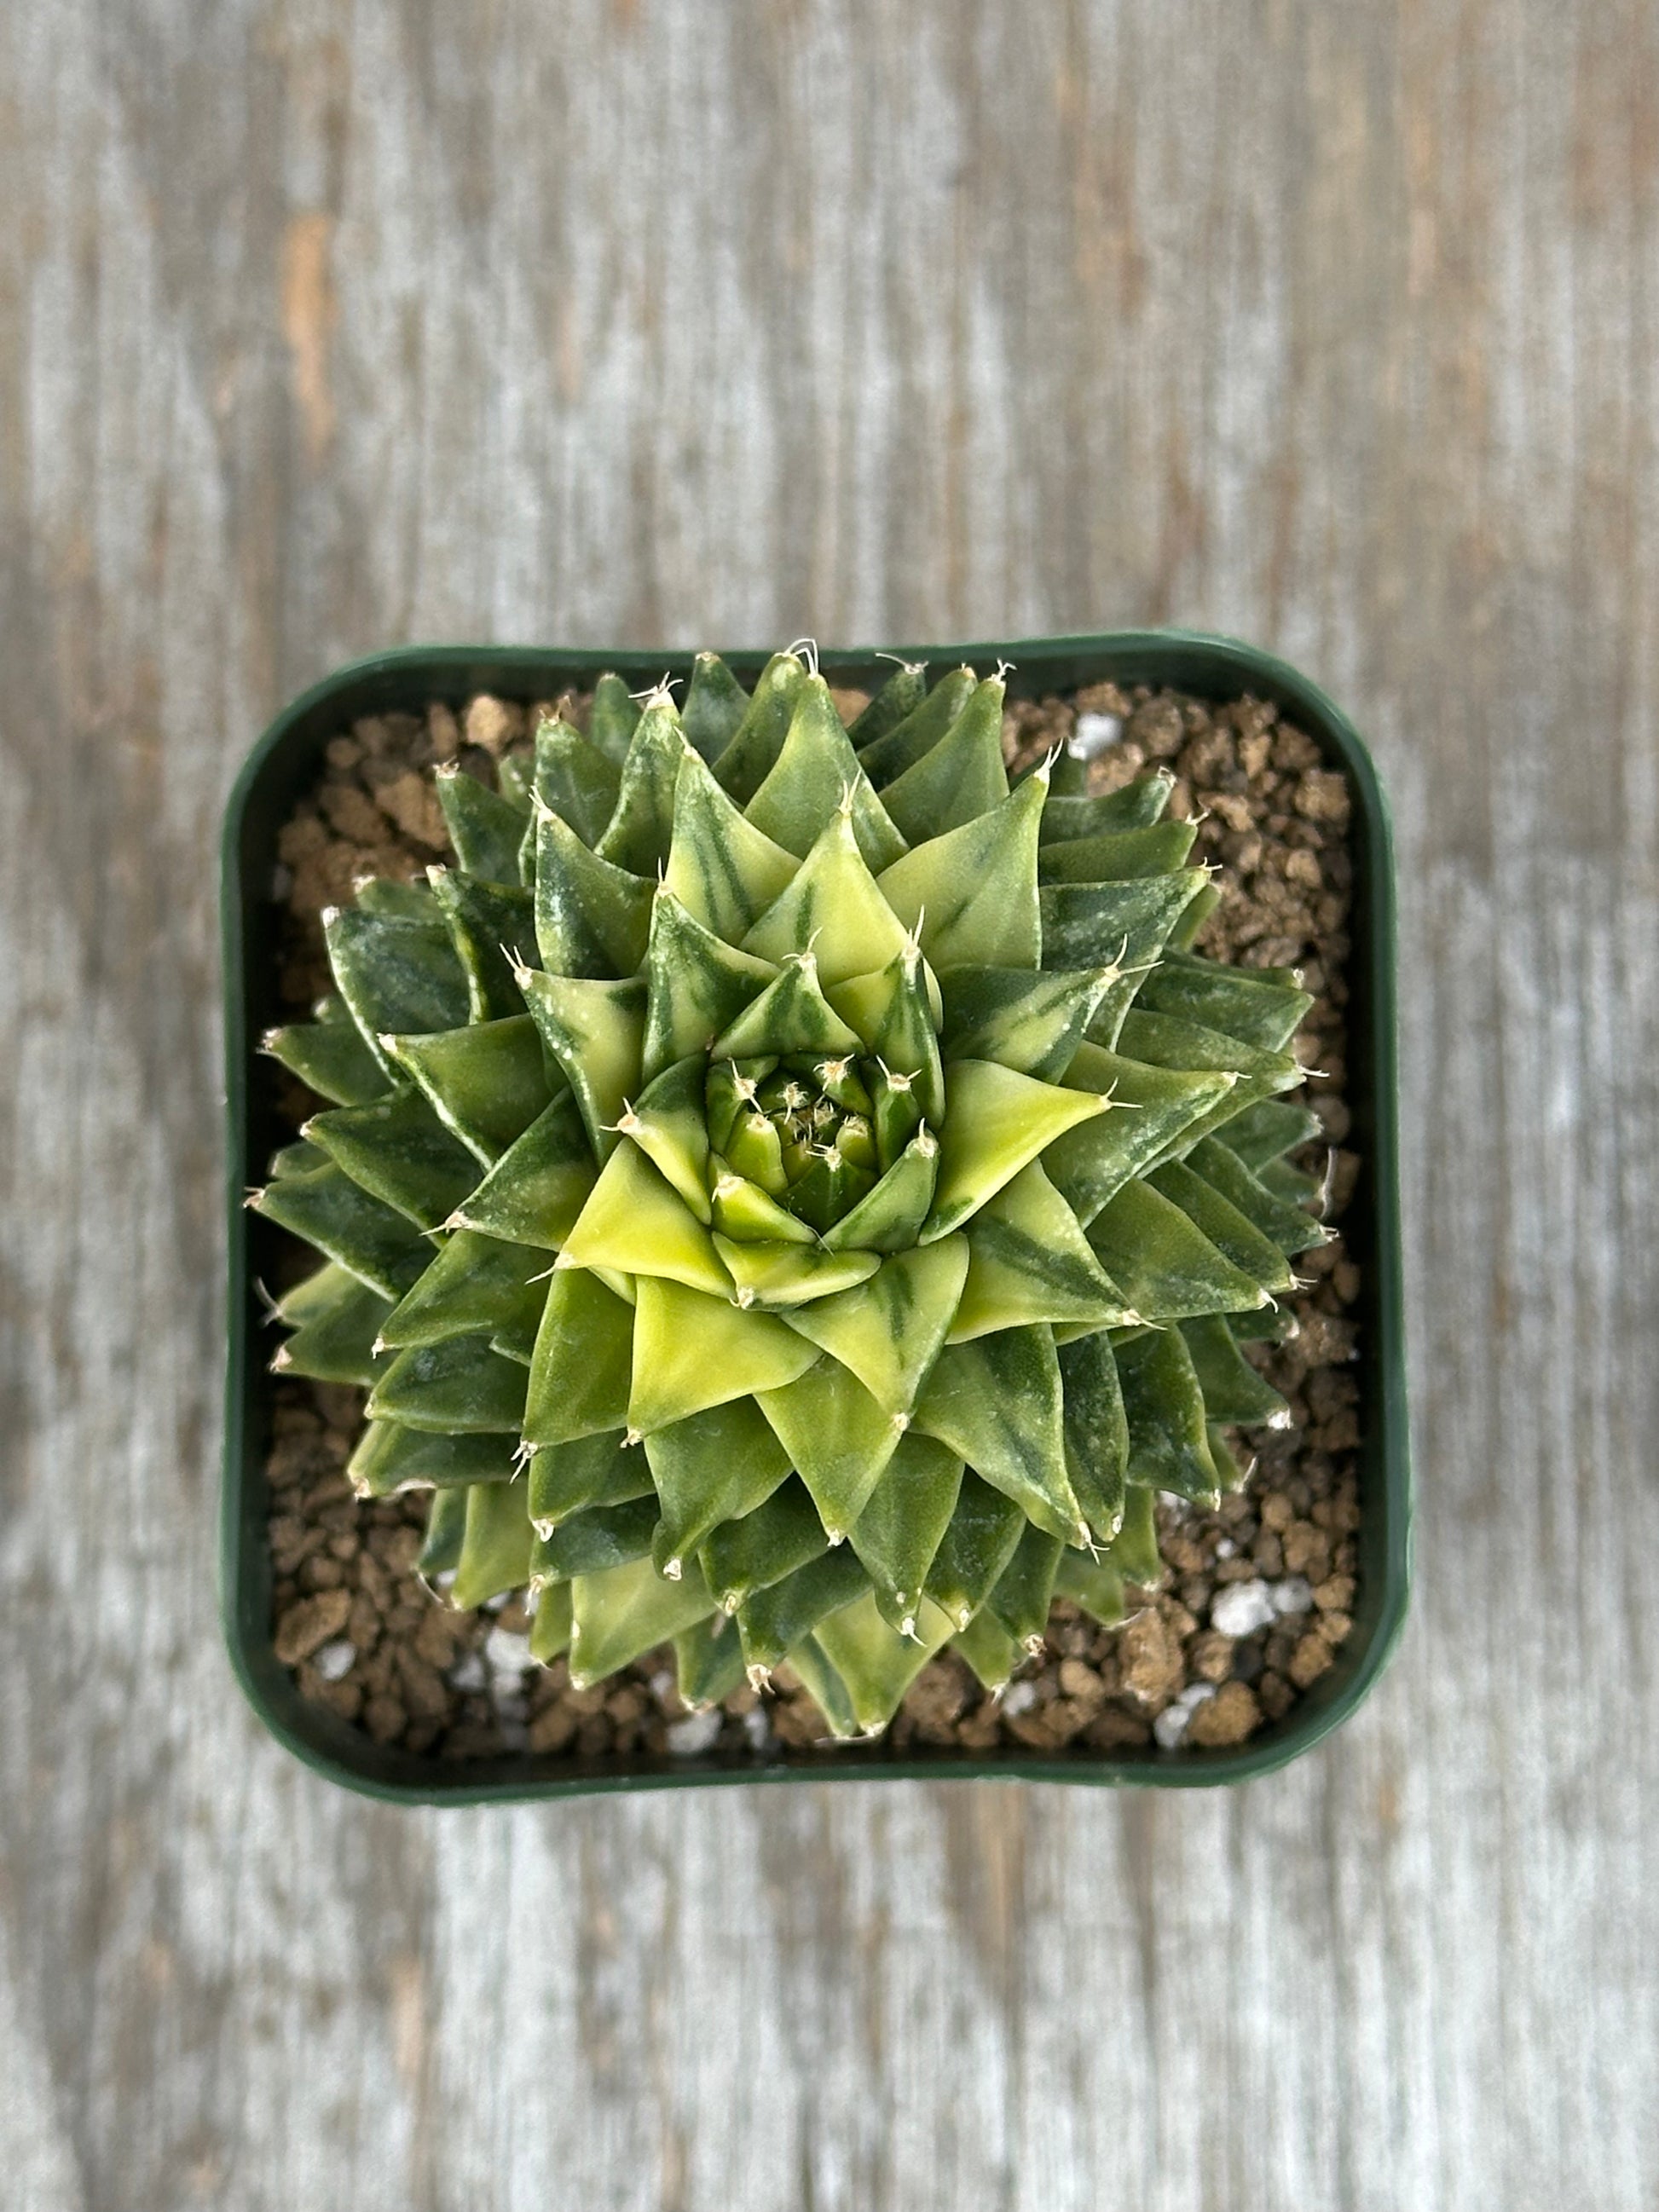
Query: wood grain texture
(324,325)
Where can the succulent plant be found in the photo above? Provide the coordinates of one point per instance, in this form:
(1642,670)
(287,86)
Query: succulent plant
(789,1193)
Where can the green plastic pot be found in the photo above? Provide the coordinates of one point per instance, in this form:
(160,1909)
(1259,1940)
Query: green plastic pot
(287,761)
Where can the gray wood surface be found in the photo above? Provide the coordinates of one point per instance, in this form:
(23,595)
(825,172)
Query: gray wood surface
(324,325)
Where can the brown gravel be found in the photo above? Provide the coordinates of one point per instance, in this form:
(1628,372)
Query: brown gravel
(370,1642)
(1229,1717)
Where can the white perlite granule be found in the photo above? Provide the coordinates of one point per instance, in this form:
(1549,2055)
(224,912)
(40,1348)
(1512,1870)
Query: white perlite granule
(334,1661)
(1242,1607)
(1093,733)
(696,1733)
(506,1653)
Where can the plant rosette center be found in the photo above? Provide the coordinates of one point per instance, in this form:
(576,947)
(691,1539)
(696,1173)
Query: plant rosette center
(789,1193)
(812,1136)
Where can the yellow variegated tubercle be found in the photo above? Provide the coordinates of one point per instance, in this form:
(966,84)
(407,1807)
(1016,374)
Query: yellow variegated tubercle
(789,1193)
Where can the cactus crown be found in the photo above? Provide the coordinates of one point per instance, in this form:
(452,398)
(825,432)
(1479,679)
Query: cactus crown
(790,1193)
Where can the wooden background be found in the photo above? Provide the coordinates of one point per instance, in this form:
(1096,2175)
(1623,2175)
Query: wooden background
(324,325)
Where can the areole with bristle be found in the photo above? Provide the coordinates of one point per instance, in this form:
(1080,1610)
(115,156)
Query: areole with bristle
(781,1176)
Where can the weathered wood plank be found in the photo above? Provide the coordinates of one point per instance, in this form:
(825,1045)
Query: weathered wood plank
(323,326)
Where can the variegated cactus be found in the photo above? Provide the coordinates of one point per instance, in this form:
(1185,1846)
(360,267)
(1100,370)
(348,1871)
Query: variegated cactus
(789,1193)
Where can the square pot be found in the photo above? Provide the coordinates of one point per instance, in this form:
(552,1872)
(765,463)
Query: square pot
(287,760)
